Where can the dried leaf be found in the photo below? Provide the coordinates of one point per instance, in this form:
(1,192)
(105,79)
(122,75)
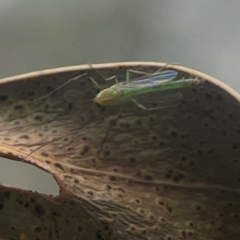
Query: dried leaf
(167,174)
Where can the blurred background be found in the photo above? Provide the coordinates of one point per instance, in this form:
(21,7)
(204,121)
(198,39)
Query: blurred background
(36,35)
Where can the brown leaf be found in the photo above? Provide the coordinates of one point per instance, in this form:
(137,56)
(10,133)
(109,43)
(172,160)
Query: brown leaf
(172,173)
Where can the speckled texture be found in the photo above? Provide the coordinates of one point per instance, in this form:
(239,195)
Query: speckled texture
(169,174)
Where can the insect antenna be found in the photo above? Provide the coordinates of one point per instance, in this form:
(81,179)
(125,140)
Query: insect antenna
(55,139)
(64,84)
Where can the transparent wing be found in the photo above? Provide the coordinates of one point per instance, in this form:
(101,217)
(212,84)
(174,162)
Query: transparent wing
(165,76)
(157,99)
(165,96)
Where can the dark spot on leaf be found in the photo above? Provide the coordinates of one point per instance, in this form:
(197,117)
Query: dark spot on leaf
(70,106)
(151,119)
(26,205)
(161,144)
(219,97)
(56,214)
(148,177)
(16,122)
(212,150)
(37,230)
(3,97)
(107,153)
(235,146)
(50,88)
(39,210)
(154,138)
(139,173)
(198,208)
(132,159)
(58,165)
(174,134)
(194,89)
(6,194)
(179,177)
(19,201)
(112,178)
(183,158)
(24,137)
(67,176)
(85,150)
(208,96)
(44,154)
(112,122)
(139,122)
(209,115)
(38,118)
(18,107)
(191,163)
(30,94)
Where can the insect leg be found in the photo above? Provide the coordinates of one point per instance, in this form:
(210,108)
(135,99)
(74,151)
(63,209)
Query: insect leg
(95,83)
(144,108)
(111,78)
(105,79)
(145,74)
(113,123)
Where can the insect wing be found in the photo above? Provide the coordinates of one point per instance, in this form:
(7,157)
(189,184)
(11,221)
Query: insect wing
(159,97)
(165,76)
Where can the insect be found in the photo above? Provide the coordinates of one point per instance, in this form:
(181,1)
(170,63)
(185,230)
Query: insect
(122,92)
(129,90)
